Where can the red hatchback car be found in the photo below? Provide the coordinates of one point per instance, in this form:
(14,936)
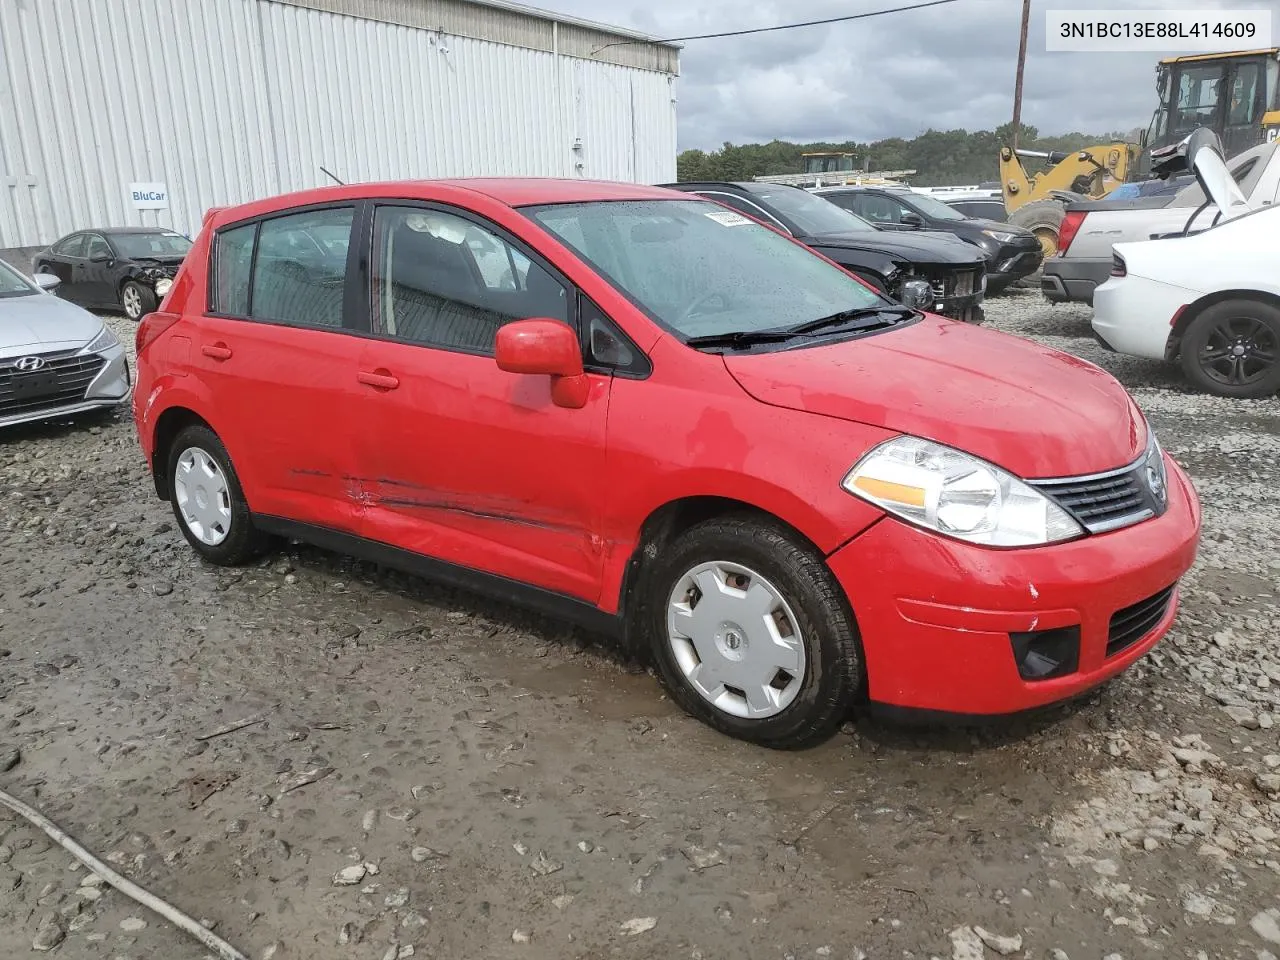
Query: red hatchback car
(651,413)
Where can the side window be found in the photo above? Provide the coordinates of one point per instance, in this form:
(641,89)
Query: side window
(879,209)
(443,281)
(232,258)
(72,246)
(97,248)
(298,277)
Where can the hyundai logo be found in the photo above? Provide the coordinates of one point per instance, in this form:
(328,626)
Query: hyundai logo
(28,364)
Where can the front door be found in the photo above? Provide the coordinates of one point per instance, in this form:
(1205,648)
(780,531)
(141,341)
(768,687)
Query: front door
(459,460)
(279,358)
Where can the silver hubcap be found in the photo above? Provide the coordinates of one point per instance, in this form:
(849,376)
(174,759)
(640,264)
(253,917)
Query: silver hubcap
(204,498)
(735,639)
(132,301)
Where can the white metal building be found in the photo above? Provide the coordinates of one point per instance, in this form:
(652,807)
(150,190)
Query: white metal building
(148,112)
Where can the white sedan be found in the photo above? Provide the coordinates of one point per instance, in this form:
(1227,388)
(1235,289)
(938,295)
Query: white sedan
(1211,299)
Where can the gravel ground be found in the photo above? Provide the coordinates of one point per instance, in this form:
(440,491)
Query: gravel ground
(435,775)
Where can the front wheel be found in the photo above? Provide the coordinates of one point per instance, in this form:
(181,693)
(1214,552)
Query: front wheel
(137,300)
(751,633)
(1232,349)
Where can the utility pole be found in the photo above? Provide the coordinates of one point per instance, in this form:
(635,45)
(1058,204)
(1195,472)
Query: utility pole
(1022,62)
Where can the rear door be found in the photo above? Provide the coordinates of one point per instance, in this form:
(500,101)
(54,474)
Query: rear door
(94,273)
(278,357)
(459,460)
(66,263)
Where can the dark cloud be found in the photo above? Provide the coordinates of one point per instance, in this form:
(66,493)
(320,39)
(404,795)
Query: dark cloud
(940,68)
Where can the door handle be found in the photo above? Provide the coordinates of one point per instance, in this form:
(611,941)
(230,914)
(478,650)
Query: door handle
(382,379)
(218,351)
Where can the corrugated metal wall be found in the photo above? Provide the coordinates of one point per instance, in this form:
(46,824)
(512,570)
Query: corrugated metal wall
(258,95)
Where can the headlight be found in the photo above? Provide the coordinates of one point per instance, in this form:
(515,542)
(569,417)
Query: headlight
(163,286)
(1000,236)
(105,340)
(958,495)
(1157,476)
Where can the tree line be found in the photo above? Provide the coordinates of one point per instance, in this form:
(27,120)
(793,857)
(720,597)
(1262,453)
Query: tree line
(939,157)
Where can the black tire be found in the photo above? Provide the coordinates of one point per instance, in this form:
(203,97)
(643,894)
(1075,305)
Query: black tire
(833,670)
(1252,325)
(145,301)
(1044,219)
(243,542)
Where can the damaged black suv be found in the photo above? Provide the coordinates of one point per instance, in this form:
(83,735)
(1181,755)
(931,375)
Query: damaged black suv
(121,268)
(930,271)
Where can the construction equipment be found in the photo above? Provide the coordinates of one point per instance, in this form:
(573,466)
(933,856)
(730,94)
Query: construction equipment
(1236,94)
(1036,201)
(834,169)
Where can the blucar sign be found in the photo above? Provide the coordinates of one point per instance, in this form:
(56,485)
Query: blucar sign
(149,196)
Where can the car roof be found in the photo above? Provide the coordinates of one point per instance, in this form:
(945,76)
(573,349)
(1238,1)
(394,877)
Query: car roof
(116,231)
(510,191)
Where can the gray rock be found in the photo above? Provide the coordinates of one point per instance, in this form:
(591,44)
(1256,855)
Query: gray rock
(1268,782)
(9,757)
(162,589)
(544,865)
(48,935)
(965,944)
(133,924)
(1001,945)
(1243,716)
(350,876)
(1264,925)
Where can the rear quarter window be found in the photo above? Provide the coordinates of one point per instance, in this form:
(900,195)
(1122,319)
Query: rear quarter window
(232,261)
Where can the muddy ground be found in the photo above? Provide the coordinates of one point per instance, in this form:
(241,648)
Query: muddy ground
(521,793)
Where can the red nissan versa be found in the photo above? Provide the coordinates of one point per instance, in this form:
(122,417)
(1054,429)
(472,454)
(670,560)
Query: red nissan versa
(647,411)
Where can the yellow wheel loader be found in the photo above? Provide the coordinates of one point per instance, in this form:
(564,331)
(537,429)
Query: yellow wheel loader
(1237,95)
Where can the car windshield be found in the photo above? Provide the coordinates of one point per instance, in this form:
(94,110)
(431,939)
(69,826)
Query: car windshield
(702,270)
(812,215)
(146,245)
(14,284)
(935,209)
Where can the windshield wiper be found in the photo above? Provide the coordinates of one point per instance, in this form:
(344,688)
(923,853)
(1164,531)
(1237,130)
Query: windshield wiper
(740,338)
(872,317)
(873,314)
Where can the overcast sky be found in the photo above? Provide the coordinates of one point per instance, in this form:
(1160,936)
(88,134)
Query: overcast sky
(898,75)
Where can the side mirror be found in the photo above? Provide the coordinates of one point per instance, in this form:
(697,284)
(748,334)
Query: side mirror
(910,219)
(46,281)
(545,347)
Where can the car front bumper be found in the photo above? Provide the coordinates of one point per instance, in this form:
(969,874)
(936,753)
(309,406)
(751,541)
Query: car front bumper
(1134,315)
(1011,264)
(1073,281)
(936,615)
(84,389)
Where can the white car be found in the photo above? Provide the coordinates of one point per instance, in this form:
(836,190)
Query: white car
(1211,299)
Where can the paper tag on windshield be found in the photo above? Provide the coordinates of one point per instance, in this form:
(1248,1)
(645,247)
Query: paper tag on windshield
(728,218)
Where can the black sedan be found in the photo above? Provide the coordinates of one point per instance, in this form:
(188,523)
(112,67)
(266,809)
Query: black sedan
(123,268)
(1012,253)
(931,271)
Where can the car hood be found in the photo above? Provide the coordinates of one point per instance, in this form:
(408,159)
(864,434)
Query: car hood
(157,261)
(942,248)
(43,322)
(1034,411)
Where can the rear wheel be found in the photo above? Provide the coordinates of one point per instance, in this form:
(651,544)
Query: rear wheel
(1232,349)
(1044,219)
(208,501)
(751,633)
(137,300)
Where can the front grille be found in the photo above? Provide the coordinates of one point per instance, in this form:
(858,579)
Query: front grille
(1131,624)
(72,373)
(1106,501)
